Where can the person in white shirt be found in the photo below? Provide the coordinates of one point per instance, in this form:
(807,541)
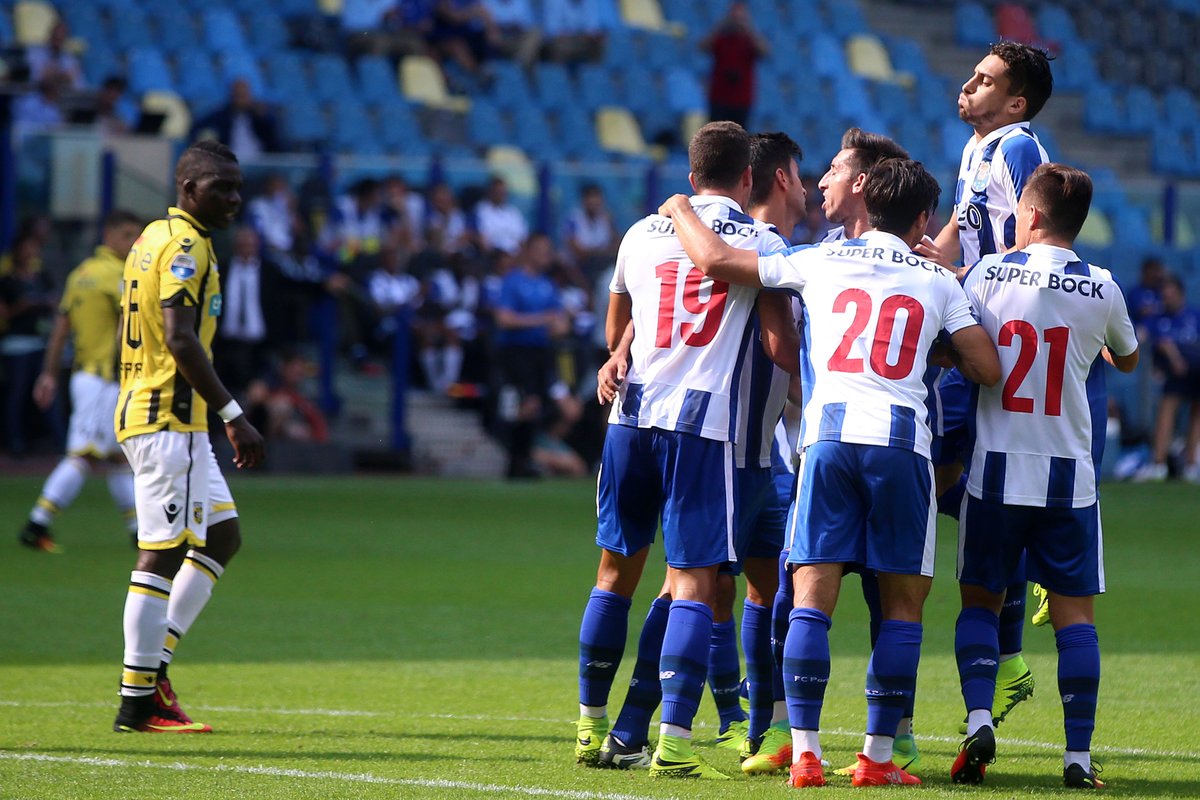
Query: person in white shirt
(1040,436)
(501,225)
(668,451)
(591,236)
(873,310)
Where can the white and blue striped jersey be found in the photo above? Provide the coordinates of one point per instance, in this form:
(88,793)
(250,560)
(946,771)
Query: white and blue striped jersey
(1040,430)
(684,361)
(991,177)
(873,309)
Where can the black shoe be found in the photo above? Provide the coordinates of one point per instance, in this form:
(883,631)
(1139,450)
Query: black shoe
(1076,777)
(133,713)
(37,537)
(973,757)
(614,755)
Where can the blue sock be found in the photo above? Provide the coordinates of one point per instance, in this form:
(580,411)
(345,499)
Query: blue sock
(760,665)
(684,663)
(601,645)
(1078,682)
(781,607)
(870,590)
(806,667)
(644,693)
(977,651)
(892,675)
(950,502)
(725,672)
(1012,617)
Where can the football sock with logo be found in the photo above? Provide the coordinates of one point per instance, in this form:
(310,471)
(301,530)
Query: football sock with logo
(1012,618)
(725,672)
(601,644)
(781,607)
(760,665)
(1078,682)
(684,663)
(806,667)
(193,588)
(892,677)
(977,651)
(870,593)
(60,489)
(633,723)
(145,623)
(120,488)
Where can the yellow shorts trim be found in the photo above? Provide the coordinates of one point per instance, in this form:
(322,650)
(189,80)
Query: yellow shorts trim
(187,537)
(217,507)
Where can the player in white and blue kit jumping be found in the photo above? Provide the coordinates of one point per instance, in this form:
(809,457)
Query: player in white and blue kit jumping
(668,451)
(873,311)
(1039,440)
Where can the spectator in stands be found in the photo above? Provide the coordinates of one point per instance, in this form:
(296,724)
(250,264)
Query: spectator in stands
(289,414)
(574,30)
(1145,299)
(499,223)
(38,111)
(735,47)
(1175,336)
(250,290)
(392,290)
(386,27)
(519,37)
(464,32)
(529,317)
(591,236)
(114,114)
(27,307)
(246,125)
(409,208)
(275,217)
(53,60)
(447,233)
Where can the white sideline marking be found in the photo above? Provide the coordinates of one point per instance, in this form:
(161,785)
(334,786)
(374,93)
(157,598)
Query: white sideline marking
(330,712)
(352,777)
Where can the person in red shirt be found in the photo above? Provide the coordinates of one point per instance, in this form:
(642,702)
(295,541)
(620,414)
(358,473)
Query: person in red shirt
(735,47)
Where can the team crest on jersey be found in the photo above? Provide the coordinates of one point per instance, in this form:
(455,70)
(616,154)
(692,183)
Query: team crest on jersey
(183,267)
(198,513)
(214,306)
(981,176)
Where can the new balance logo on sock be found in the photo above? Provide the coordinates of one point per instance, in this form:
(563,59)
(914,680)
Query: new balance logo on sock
(1066,698)
(666,675)
(983,662)
(600,664)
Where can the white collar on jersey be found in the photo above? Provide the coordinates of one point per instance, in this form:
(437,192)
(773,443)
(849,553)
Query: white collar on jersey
(718,199)
(1003,131)
(1053,252)
(890,239)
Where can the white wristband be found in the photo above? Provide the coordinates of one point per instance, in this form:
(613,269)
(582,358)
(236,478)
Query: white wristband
(230,411)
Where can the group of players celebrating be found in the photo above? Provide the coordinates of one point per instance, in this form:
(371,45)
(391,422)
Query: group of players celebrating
(906,369)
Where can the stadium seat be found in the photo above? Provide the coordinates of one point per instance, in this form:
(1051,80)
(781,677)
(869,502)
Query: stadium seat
(268,33)
(241,65)
(1096,231)
(422,81)
(1141,110)
(553,85)
(178,122)
(618,132)
(148,71)
(827,57)
(646,14)
(173,32)
(684,92)
(692,122)
(485,125)
(514,166)
(531,132)
(973,26)
(377,81)
(510,88)
(1015,22)
(596,86)
(846,19)
(222,31)
(305,124)
(868,58)
(32,21)
(331,77)
(576,132)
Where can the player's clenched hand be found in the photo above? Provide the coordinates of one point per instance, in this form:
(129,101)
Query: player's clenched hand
(248,449)
(609,378)
(44,390)
(676,202)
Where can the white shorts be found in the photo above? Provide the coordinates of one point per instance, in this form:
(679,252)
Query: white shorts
(93,405)
(178,488)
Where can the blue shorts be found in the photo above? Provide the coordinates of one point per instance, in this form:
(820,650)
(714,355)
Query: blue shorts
(1063,547)
(759,516)
(955,404)
(865,504)
(687,480)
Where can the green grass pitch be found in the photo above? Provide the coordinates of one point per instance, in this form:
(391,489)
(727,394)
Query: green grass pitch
(392,637)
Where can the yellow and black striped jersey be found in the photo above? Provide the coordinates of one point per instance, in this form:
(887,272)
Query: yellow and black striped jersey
(171,264)
(92,303)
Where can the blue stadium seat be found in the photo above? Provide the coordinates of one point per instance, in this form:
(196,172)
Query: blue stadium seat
(305,125)
(828,59)
(83,19)
(354,134)
(850,96)
(893,103)
(148,71)
(973,25)
(222,31)
(1169,153)
(553,85)
(268,33)
(805,18)
(1101,113)
(1141,110)
(684,91)
(1074,69)
(576,132)
(331,77)
(845,18)
(485,123)
(510,89)
(377,80)
(595,86)
(532,134)
(195,83)
(99,62)
(398,129)
(235,65)
(172,31)
(287,76)
(1179,108)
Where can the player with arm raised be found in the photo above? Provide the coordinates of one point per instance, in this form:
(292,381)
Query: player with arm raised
(874,309)
(187,522)
(1039,440)
(668,451)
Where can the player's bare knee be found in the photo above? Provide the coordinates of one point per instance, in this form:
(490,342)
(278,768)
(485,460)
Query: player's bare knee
(223,541)
(1066,610)
(696,584)
(762,580)
(817,586)
(723,596)
(620,574)
(164,563)
(978,597)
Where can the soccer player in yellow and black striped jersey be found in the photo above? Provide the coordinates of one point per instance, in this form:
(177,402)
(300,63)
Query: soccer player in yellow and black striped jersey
(87,316)
(187,522)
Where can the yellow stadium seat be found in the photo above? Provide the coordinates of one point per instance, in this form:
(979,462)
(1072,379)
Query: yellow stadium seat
(422,81)
(1096,230)
(618,131)
(32,21)
(868,58)
(692,122)
(648,15)
(330,8)
(178,122)
(1185,236)
(514,166)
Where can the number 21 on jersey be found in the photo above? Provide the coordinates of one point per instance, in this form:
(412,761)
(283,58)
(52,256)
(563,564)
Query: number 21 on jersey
(1019,333)
(691,333)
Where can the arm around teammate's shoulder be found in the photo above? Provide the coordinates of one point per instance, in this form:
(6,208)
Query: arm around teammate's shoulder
(975,355)
(708,252)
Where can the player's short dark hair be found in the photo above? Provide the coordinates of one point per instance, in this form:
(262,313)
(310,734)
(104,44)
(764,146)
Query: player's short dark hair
(718,155)
(1063,194)
(896,192)
(870,148)
(118,217)
(1028,71)
(769,152)
(201,157)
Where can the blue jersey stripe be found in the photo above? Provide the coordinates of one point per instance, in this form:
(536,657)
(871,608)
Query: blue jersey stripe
(632,405)
(1060,486)
(1015,257)
(994,466)
(1097,397)
(1076,268)
(987,243)
(1010,231)
(691,414)
(735,380)
(904,428)
(807,374)
(762,369)
(833,416)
